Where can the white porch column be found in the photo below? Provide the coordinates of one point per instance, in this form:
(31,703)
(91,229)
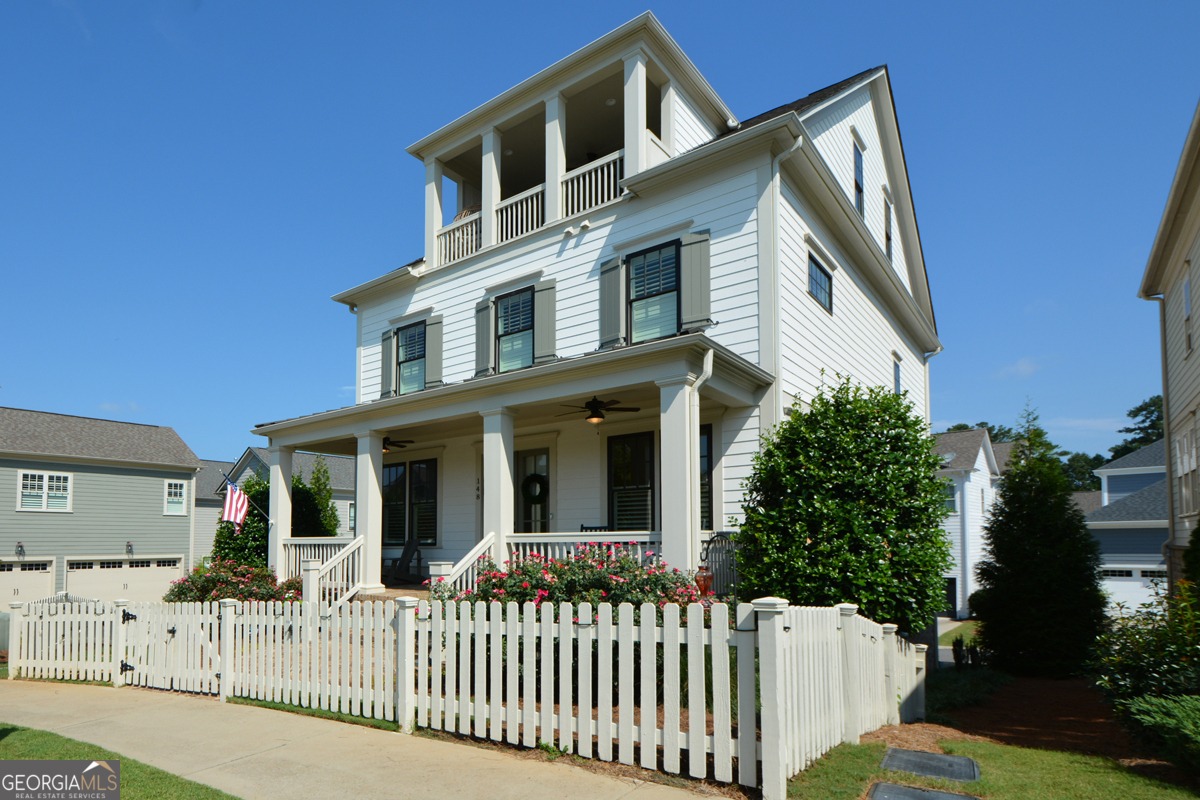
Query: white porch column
(679,505)
(491,187)
(498,508)
(635,114)
(556,155)
(280,507)
(433,209)
(368,522)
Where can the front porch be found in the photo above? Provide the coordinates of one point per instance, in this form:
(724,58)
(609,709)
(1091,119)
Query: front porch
(504,465)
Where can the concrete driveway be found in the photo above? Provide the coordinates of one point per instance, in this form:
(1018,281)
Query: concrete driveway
(256,753)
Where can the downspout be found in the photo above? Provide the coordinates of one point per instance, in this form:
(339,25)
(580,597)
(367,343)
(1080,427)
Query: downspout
(1162,346)
(928,402)
(694,442)
(776,270)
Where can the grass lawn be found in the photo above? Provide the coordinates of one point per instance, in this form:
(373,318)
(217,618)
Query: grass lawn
(1008,773)
(368,722)
(965,630)
(138,780)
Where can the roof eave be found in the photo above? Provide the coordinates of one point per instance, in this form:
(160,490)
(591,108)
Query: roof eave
(98,460)
(1156,266)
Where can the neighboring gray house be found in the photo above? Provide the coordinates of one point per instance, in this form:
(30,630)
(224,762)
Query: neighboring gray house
(210,501)
(100,509)
(1131,523)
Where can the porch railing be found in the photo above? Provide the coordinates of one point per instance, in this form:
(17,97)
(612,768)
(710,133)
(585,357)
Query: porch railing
(643,544)
(462,577)
(298,550)
(341,576)
(459,239)
(593,184)
(521,214)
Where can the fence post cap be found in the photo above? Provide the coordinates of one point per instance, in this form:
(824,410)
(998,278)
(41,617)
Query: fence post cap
(226,602)
(889,629)
(847,609)
(776,604)
(120,603)
(921,648)
(310,563)
(15,604)
(406,602)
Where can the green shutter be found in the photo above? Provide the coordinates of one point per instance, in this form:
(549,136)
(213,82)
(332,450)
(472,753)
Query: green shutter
(485,347)
(433,352)
(695,309)
(545,322)
(387,363)
(612,303)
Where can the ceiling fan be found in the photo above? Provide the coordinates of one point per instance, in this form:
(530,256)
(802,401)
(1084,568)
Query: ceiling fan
(395,444)
(596,408)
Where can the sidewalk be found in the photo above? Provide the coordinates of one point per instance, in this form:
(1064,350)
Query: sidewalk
(256,753)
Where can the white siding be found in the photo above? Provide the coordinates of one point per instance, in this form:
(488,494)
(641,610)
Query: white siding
(1183,372)
(740,432)
(830,129)
(725,204)
(856,340)
(691,128)
(207,519)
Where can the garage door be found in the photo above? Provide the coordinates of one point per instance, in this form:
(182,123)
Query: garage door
(137,579)
(26,581)
(1132,587)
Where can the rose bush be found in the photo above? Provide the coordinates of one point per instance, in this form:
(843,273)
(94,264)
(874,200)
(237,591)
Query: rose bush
(226,579)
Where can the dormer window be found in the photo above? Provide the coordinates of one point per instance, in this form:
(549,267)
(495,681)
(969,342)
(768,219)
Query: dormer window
(514,330)
(858,181)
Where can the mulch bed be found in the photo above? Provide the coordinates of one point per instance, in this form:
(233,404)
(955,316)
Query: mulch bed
(1063,715)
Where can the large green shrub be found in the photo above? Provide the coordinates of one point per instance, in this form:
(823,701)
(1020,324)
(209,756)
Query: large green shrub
(310,517)
(228,580)
(596,574)
(1040,606)
(843,507)
(1191,560)
(1153,650)
(1175,722)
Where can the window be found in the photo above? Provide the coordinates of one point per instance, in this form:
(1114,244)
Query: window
(1157,574)
(951,498)
(410,502)
(887,229)
(173,502)
(6,567)
(410,355)
(858,181)
(139,564)
(40,566)
(350,514)
(706,477)
(820,283)
(896,376)
(514,330)
(171,563)
(654,293)
(631,482)
(1116,573)
(111,564)
(78,565)
(44,491)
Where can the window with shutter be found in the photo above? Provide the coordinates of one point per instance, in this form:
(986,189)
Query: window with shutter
(387,361)
(657,292)
(410,358)
(654,293)
(514,330)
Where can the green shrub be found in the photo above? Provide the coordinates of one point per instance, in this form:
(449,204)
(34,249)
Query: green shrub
(843,506)
(227,579)
(1153,650)
(309,518)
(597,573)
(1175,721)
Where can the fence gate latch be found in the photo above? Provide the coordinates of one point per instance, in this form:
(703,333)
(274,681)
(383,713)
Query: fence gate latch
(126,667)
(171,630)
(126,617)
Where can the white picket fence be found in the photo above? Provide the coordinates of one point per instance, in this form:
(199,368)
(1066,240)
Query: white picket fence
(756,698)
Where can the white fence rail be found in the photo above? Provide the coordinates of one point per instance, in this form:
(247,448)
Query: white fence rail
(521,214)
(298,550)
(756,698)
(460,239)
(593,184)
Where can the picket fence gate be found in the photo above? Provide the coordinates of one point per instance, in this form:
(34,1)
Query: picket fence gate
(754,698)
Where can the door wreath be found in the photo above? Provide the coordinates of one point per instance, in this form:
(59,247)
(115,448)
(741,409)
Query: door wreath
(535,489)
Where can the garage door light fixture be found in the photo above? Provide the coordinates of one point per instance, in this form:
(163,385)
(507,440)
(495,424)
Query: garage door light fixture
(21,549)
(129,548)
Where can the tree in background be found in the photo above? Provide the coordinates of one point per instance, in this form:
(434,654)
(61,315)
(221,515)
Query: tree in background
(1078,469)
(842,506)
(997,433)
(1147,427)
(248,546)
(322,491)
(1040,605)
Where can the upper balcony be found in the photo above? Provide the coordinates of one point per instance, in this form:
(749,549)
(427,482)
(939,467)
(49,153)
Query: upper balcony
(559,144)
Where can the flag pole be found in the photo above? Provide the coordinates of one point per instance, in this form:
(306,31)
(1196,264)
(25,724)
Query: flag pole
(228,482)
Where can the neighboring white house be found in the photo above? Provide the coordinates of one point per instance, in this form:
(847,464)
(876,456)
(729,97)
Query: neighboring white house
(97,508)
(628,289)
(973,465)
(1131,524)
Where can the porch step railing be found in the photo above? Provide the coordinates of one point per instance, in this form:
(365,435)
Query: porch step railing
(462,577)
(521,214)
(320,548)
(643,544)
(340,578)
(593,184)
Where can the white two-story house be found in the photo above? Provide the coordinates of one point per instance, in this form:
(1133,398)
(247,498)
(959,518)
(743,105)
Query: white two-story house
(623,288)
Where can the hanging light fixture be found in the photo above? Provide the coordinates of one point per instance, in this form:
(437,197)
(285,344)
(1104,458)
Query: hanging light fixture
(596,417)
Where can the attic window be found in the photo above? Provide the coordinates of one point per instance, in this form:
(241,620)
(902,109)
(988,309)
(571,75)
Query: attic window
(858,181)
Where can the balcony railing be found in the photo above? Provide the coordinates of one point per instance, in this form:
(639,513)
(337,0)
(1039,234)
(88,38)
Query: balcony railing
(521,214)
(593,184)
(459,239)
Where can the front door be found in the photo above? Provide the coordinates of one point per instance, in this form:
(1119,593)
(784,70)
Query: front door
(532,478)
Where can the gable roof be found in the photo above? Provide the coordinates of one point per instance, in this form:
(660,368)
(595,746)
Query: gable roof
(42,433)
(341,468)
(209,479)
(1151,455)
(1088,501)
(1003,451)
(961,446)
(805,103)
(1147,504)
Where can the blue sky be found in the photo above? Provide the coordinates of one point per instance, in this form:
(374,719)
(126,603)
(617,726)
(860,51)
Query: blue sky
(184,184)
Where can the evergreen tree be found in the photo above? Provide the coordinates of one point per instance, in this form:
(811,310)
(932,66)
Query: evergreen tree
(248,546)
(1040,605)
(1078,469)
(1147,427)
(323,495)
(843,507)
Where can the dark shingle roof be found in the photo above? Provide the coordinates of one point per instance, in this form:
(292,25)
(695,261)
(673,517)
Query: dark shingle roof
(209,479)
(1148,504)
(341,468)
(1003,452)
(43,433)
(1152,455)
(804,103)
(1088,501)
(962,445)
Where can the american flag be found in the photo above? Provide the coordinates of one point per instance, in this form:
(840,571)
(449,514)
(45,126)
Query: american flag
(236,506)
